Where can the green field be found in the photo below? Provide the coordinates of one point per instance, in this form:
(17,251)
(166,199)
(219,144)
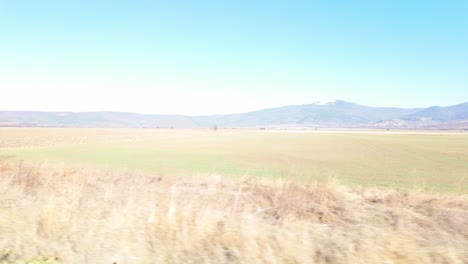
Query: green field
(434,162)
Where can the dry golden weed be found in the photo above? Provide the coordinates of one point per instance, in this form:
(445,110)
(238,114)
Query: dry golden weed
(96,216)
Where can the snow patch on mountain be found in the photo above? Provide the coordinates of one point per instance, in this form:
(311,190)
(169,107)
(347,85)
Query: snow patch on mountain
(328,102)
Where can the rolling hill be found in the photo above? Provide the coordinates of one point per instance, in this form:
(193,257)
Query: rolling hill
(335,114)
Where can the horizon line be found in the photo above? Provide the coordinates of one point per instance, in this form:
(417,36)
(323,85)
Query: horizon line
(318,103)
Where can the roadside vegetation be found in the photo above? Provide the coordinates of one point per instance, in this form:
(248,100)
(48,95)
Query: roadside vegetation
(99,216)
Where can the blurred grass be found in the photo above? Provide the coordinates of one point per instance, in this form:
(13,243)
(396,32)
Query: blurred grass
(431,162)
(89,215)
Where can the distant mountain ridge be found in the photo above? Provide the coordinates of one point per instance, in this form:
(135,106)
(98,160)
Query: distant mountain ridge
(333,114)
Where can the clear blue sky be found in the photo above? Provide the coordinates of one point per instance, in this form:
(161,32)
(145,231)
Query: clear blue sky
(211,57)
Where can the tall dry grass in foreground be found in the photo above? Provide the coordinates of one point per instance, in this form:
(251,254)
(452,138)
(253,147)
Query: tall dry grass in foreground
(86,216)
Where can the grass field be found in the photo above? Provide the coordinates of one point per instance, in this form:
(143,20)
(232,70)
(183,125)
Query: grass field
(192,196)
(434,162)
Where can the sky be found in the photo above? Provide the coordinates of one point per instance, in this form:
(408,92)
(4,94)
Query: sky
(217,57)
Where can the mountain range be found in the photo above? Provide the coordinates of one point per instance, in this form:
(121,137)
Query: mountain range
(334,114)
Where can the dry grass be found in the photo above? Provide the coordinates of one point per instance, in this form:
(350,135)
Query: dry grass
(94,216)
(14,137)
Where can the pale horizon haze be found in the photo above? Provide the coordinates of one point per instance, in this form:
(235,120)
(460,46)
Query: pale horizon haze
(216,57)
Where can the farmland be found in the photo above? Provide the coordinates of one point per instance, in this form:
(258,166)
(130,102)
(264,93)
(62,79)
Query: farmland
(434,162)
(201,196)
